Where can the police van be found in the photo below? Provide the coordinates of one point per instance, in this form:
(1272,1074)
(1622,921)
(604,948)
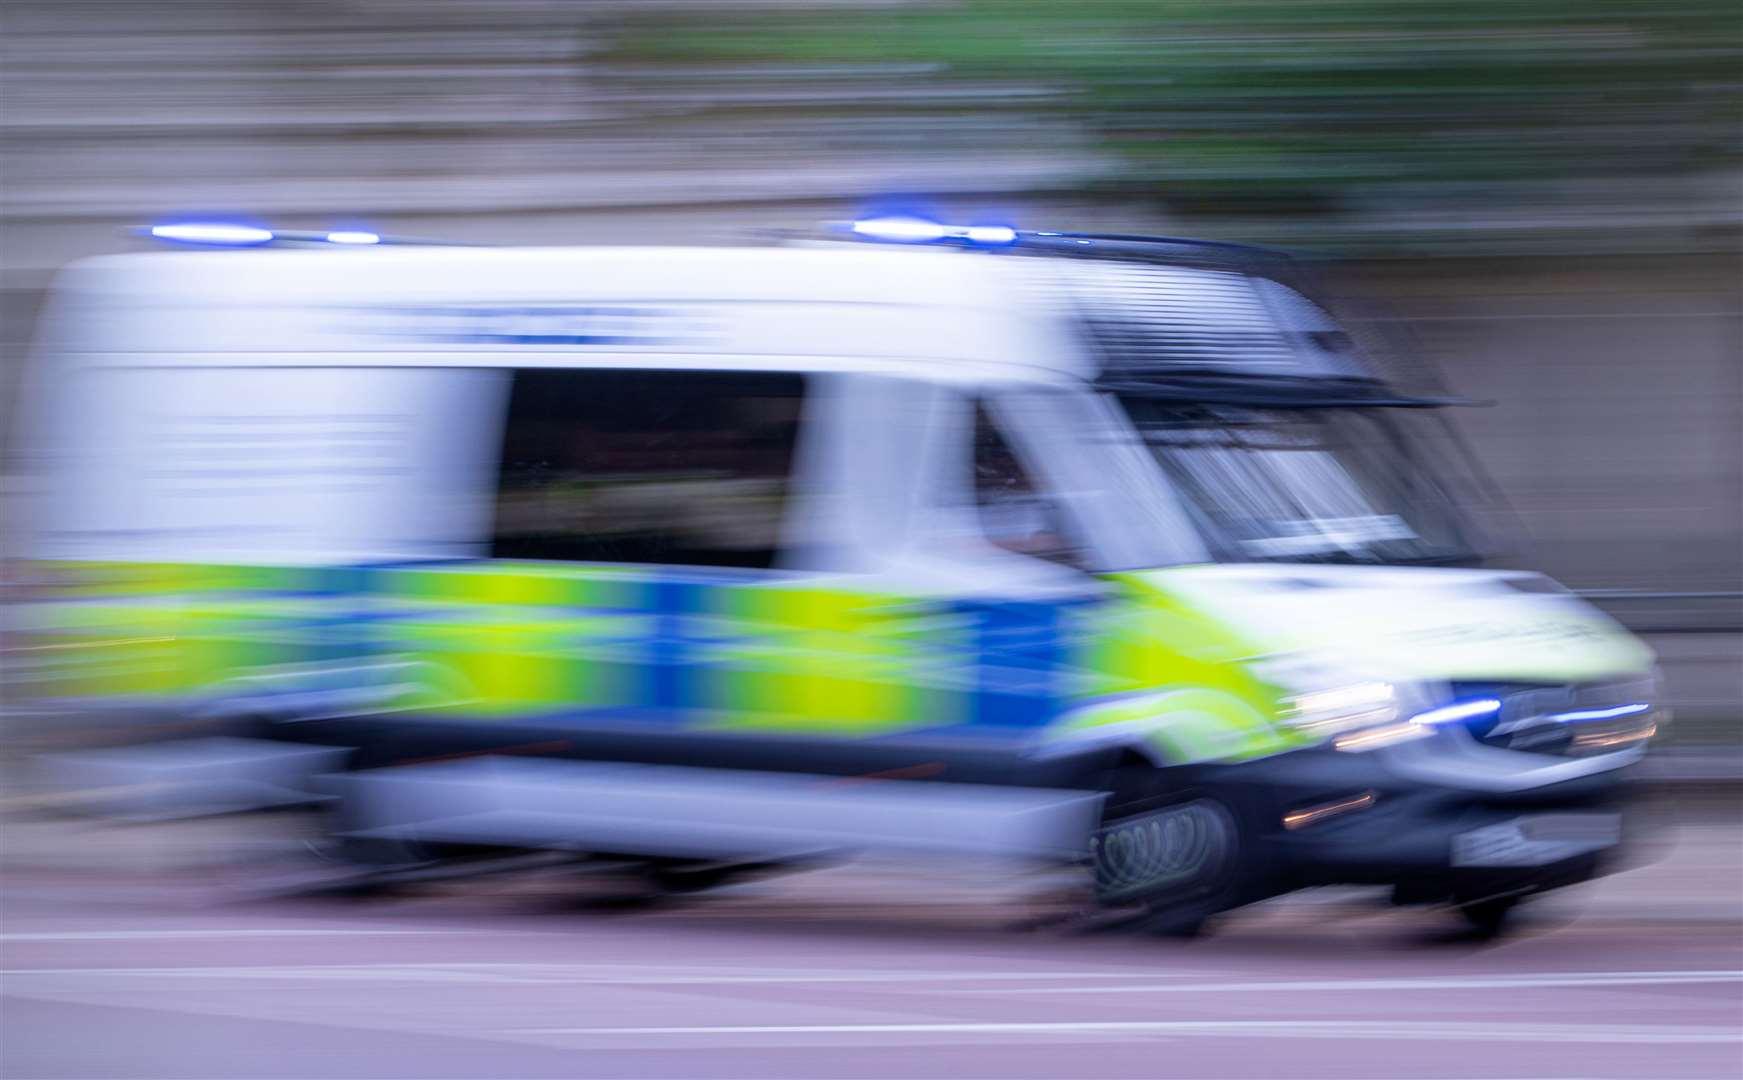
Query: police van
(1112,552)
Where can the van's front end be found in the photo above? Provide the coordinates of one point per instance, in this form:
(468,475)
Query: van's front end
(1400,717)
(1461,735)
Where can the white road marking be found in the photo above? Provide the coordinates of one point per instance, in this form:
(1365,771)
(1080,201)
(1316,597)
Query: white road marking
(656,975)
(1449,982)
(216,932)
(605,974)
(1451,1030)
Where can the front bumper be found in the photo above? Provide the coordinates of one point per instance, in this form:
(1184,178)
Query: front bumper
(1419,822)
(1441,841)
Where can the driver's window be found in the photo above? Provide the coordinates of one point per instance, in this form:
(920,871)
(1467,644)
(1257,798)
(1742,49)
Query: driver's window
(1013,511)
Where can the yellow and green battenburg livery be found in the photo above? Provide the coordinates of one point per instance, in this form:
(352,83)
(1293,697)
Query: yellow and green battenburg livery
(654,647)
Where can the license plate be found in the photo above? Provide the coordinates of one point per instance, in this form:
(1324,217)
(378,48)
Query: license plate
(1537,840)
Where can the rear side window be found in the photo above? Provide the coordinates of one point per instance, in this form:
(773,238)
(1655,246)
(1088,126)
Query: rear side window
(681,468)
(215,463)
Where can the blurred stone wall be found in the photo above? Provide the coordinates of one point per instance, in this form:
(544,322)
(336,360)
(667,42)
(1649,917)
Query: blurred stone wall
(1615,436)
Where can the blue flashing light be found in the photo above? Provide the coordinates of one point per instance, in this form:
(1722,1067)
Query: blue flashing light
(990,234)
(905,230)
(353,236)
(220,234)
(1458,710)
(1602,714)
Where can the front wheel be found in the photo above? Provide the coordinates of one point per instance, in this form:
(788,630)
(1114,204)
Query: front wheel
(1489,918)
(1170,854)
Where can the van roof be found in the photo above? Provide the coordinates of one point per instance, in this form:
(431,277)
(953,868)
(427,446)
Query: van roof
(837,273)
(850,305)
(835,307)
(828,306)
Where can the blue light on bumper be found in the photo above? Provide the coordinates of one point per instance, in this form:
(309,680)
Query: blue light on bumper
(1457,711)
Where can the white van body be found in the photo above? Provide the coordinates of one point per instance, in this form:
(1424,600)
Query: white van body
(302,331)
(327,427)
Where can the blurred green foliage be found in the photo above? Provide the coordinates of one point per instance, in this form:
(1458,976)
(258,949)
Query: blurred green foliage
(1300,105)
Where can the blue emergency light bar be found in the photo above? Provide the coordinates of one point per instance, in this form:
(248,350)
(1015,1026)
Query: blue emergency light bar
(232,234)
(916,230)
(218,234)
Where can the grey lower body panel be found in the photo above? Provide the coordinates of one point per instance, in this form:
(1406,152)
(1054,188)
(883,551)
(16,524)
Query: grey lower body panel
(187,777)
(681,812)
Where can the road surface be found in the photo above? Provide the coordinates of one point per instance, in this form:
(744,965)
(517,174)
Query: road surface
(178,951)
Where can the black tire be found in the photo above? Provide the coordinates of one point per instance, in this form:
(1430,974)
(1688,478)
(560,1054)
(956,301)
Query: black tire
(1490,917)
(676,877)
(679,876)
(1171,852)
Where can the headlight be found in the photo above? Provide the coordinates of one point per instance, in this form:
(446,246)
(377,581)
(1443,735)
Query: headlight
(1357,715)
(1344,708)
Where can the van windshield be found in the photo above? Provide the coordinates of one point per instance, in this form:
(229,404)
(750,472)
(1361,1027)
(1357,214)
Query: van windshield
(1303,484)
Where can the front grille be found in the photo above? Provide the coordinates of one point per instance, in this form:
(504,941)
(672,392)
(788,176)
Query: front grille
(1567,719)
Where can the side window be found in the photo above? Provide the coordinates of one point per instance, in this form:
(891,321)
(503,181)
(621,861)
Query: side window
(1014,512)
(684,468)
(209,463)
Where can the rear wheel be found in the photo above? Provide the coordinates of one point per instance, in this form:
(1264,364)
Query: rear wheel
(679,876)
(1170,854)
(673,877)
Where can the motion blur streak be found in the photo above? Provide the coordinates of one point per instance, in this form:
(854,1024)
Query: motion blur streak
(833,484)
(1300,819)
(1378,737)
(1610,741)
(1464,710)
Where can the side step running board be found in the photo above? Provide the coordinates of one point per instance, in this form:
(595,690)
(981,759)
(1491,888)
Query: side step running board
(705,813)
